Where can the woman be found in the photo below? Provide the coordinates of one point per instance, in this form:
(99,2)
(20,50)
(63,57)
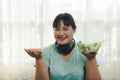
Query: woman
(63,60)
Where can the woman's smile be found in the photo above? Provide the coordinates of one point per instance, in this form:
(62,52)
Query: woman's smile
(61,38)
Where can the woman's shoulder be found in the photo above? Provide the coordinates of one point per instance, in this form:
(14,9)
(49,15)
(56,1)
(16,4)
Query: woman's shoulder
(49,48)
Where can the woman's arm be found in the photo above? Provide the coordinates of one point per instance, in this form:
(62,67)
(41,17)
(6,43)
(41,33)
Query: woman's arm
(92,71)
(41,70)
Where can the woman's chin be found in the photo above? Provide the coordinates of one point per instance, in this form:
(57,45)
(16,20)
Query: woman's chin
(62,42)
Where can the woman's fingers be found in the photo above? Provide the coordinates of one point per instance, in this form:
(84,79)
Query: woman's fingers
(90,55)
(34,52)
(27,50)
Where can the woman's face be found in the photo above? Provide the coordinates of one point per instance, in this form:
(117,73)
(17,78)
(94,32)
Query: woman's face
(64,34)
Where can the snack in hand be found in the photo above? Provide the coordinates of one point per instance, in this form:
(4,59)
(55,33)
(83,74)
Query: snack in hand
(89,48)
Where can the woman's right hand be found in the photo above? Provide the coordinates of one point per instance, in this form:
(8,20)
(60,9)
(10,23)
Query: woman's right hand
(34,52)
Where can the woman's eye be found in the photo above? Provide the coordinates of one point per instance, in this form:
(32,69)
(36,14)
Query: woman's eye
(57,29)
(66,29)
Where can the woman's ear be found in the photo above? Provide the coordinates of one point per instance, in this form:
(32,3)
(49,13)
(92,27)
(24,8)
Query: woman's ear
(74,30)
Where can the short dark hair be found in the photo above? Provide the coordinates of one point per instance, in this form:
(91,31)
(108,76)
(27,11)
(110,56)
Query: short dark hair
(66,18)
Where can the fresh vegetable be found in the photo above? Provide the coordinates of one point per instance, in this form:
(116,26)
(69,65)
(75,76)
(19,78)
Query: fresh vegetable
(94,47)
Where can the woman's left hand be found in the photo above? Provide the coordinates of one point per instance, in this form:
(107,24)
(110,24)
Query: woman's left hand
(90,55)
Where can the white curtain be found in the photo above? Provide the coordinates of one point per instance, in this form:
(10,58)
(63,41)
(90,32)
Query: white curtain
(28,24)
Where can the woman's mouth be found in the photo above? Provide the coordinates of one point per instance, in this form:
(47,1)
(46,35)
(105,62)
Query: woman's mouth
(61,38)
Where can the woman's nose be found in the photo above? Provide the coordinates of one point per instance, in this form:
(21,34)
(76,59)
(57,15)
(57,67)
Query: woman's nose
(61,32)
